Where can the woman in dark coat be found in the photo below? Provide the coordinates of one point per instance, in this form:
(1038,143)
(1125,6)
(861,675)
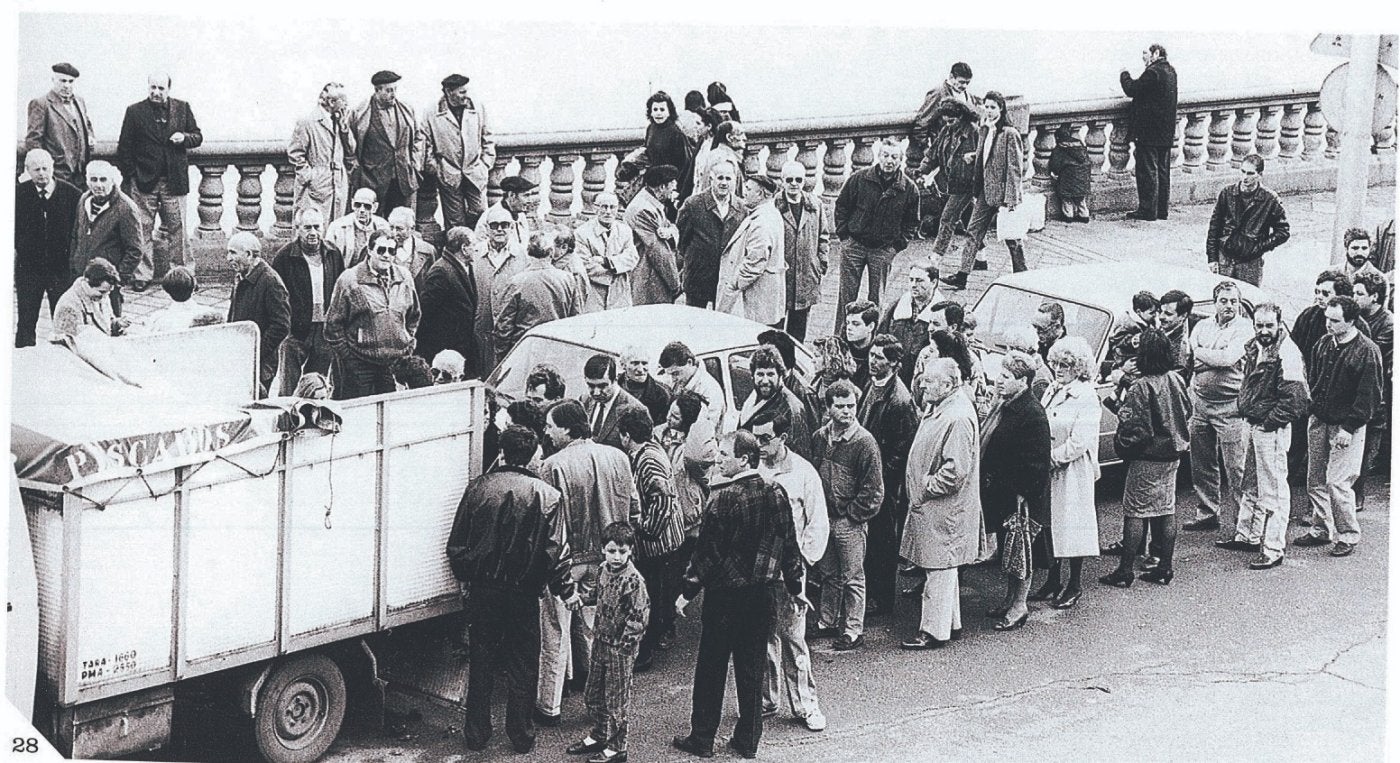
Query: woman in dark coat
(1152,437)
(665,142)
(1016,482)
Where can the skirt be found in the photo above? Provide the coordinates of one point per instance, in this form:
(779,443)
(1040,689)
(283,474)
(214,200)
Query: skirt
(1149,489)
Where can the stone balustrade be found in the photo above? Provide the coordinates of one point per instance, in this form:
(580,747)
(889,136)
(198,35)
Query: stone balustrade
(1214,134)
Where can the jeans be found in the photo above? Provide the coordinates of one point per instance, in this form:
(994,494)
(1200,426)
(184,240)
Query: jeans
(171,208)
(355,377)
(789,660)
(843,578)
(856,258)
(504,626)
(736,622)
(1154,178)
(1217,437)
(941,613)
(953,209)
(1264,501)
(297,356)
(982,218)
(462,205)
(1249,271)
(1331,473)
(31,286)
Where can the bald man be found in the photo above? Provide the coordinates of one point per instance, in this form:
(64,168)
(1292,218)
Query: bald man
(45,209)
(152,153)
(258,296)
(609,253)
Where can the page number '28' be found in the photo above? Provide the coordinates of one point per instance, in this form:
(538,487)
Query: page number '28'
(24,744)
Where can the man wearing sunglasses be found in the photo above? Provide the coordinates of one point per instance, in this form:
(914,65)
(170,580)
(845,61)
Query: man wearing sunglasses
(371,321)
(350,234)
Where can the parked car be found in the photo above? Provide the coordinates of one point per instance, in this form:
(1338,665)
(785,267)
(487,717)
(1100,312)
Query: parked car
(721,342)
(1095,298)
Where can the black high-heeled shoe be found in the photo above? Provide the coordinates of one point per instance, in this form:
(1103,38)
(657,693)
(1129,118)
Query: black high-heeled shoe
(1013,625)
(1158,576)
(1048,592)
(1067,598)
(1119,578)
(998,611)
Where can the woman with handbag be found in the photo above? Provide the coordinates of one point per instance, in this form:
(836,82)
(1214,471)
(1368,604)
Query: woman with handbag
(997,186)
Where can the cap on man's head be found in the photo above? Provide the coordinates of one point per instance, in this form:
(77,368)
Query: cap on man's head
(661,174)
(498,214)
(65,68)
(516,184)
(454,81)
(384,77)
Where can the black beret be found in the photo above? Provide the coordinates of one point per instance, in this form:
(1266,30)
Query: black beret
(454,81)
(515,184)
(384,77)
(661,174)
(66,68)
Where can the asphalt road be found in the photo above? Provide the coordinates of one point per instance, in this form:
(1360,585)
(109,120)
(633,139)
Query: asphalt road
(1225,663)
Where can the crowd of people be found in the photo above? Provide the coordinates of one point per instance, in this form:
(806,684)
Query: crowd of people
(914,452)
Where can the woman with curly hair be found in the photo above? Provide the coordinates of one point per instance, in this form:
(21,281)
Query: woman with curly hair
(666,143)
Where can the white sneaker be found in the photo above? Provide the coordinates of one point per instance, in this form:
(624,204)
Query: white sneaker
(815,721)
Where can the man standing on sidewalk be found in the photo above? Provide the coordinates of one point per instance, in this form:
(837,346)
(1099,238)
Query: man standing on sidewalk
(258,296)
(1273,393)
(153,156)
(1248,222)
(1152,126)
(887,411)
(848,459)
(1217,431)
(876,213)
(1344,379)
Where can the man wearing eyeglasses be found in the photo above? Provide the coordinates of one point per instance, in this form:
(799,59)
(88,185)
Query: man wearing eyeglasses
(520,200)
(350,234)
(609,253)
(1217,350)
(371,321)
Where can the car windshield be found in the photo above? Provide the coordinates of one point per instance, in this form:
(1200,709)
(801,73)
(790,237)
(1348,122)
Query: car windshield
(567,359)
(1003,309)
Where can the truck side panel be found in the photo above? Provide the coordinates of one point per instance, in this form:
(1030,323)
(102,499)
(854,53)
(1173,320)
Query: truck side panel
(330,542)
(231,574)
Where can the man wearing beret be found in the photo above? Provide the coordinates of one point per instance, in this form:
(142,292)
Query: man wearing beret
(520,200)
(152,154)
(59,124)
(460,152)
(389,144)
(656,279)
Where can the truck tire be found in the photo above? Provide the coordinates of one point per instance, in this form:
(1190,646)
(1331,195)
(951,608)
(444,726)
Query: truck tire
(300,709)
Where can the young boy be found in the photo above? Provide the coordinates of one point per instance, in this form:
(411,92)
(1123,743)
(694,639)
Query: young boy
(617,635)
(1070,167)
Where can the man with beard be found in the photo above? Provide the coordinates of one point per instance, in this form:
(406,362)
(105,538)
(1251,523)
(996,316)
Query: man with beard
(876,213)
(371,321)
(706,222)
(390,146)
(1344,380)
(350,234)
(1217,431)
(887,411)
(258,296)
(309,268)
(1357,243)
(640,384)
(1273,394)
(770,399)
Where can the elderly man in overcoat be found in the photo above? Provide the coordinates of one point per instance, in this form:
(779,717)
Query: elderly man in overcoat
(459,152)
(58,123)
(389,144)
(944,529)
(1152,126)
(656,278)
(608,251)
(753,268)
(321,151)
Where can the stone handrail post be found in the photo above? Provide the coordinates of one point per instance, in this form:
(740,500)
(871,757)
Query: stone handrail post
(1193,142)
(1242,138)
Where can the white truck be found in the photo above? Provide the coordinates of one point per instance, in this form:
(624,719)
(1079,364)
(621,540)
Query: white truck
(180,531)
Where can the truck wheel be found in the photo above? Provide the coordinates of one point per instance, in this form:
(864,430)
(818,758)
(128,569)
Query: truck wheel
(300,709)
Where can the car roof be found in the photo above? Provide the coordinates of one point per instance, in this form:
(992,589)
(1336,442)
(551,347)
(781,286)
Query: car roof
(1111,285)
(652,327)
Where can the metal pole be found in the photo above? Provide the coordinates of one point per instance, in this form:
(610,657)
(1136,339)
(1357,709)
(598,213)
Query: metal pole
(1353,165)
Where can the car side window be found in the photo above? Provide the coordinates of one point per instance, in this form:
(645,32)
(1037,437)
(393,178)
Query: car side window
(712,367)
(740,374)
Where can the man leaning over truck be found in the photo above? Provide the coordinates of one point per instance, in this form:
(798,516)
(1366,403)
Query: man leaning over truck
(508,541)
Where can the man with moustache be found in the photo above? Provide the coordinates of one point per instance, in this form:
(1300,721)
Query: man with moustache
(1217,431)
(389,144)
(1357,243)
(771,398)
(58,123)
(309,268)
(371,321)
(45,210)
(153,155)
(258,296)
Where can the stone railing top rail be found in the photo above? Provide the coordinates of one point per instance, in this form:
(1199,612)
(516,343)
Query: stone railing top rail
(795,130)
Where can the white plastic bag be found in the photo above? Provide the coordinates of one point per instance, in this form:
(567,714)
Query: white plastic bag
(1012,224)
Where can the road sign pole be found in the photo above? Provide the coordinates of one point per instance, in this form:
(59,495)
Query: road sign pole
(1353,170)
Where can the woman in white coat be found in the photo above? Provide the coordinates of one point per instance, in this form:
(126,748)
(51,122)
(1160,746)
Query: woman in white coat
(1073,407)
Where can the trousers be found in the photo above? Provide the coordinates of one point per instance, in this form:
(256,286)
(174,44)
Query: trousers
(558,629)
(1217,440)
(355,377)
(1331,473)
(856,259)
(462,205)
(982,218)
(297,356)
(662,591)
(171,208)
(789,669)
(735,624)
(1152,168)
(843,578)
(608,694)
(1264,499)
(1249,271)
(941,612)
(31,286)
(505,631)
(882,548)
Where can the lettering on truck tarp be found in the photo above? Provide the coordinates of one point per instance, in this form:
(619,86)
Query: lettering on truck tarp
(104,667)
(144,450)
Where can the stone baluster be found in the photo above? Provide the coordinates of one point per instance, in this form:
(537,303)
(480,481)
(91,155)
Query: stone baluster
(249,207)
(1314,126)
(1040,161)
(1266,140)
(1193,142)
(1176,155)
(595,181)
(283,193)
(561,187)
(752,153)
(211,201)
(1290,137)
(1242,137)
(1096,142)
(1334,144)
(493,181)
(1118,148)
(1218,144)
(833,170)
(807,157)
(777,157)
(864,154)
